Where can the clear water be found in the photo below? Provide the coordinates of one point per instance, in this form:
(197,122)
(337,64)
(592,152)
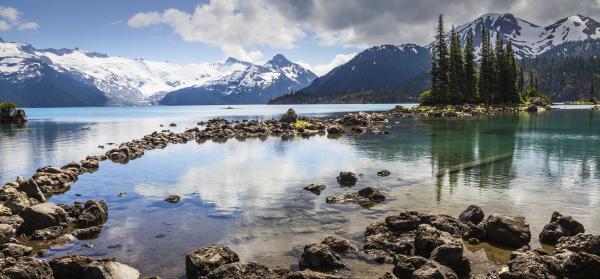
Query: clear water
(248,194)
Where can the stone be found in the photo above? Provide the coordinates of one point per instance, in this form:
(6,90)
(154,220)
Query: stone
(25,268)
(579,243)
(383,173)
(46,234)
(14,221)
(339,245)
(109,270)
(421,268)
(42,216)
(335,130)
(371,194)
(173,198)
(72,266)
(558,227)
(15,200)
(319,257)
(31,188)
(525,263)
(94,213)
(200,262)
(315,188)
(510,231)
(307,274)
(580,265)
(87,233)
(15,250)
(289,116)
(347,178)
(6,233)
(5,211)
(242,270)
(365,197)
(473,214)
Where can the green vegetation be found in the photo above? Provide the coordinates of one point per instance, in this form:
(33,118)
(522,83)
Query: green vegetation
(455,78)
(8,105)
(301,123)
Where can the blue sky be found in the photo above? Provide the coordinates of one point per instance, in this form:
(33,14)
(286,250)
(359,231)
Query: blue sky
(317,33)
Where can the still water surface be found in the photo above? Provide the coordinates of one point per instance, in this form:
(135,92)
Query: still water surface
(248,194)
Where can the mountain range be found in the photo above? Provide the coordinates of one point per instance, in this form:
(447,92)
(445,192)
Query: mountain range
(389,73)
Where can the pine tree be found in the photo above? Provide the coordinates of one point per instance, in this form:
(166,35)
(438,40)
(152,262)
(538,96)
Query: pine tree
(592,91)
(456,75)
(512,93)
(500,76)
(470,93)
(440,66)
(486,72)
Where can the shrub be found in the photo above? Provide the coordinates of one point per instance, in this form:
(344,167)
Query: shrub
(300,124)
(426,99)
(8,105)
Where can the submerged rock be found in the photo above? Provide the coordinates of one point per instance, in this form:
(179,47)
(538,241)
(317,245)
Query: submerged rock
(94,213)
(42,216)
(320,257)
(173,198)
(242,270)
(347,178)
(335,130)
(200,262)
(511,231)
(315,188)
(558,227)
(366,196)
(473,214)
(383,173)
(422,268)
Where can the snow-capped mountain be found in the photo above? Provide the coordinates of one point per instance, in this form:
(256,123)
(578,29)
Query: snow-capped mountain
(528,39)
(255,84)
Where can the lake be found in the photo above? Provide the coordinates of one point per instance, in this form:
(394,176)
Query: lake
(248,194)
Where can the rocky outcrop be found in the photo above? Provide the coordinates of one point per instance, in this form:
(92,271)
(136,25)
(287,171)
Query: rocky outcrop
(42,216)
(525,263)
(366,196)
(587,243)
(441,247)
(580,265)
(558,227)
(200,262)
(510,231)
(12,115)
(473,214)
(25,268)
(320,257)
(6,233)
(339,245)
(419,267)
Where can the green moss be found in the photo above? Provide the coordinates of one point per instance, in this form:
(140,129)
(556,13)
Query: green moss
(300,123)
(8,105)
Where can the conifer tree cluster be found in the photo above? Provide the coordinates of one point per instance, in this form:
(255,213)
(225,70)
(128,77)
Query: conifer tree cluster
(455,78)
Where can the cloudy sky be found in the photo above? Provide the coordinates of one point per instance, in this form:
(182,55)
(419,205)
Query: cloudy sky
(316,33)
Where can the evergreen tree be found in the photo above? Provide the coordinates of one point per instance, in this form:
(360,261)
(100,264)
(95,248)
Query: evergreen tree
(456,75)
(486,71)
(470,91)
(512,93)
(500,76)
(592,91)
(440,66)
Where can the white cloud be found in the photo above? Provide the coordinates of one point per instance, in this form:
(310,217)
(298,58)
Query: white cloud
(233,25)
(29,26)
(323,69)
(10,18)
(10,14)
(4,25)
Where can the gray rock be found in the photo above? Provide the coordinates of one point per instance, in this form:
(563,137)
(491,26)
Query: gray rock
(173,198)
(320,257)
(15,250)
(580,265)
(384,173)
(202,261)
(558,227)
(15,200)
(242,270)
(366,197)
(42,216)
(94,213)
(335,130)
(315,188)
(47,233)
(25,268)
(421,268)
(6,233)
(33,190)
(579,243)
(511,231)
(110,270)
(472,214)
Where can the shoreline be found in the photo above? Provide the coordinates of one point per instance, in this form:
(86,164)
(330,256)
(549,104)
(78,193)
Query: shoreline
(60,179)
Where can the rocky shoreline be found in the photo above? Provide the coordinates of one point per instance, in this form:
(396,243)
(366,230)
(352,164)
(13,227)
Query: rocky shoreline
(419,245)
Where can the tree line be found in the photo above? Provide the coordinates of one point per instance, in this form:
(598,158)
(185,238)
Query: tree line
(456,77)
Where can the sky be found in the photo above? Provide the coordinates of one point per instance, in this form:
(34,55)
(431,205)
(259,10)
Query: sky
(318,34)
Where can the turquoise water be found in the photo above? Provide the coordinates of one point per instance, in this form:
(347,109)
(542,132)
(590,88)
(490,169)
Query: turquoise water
(248,194)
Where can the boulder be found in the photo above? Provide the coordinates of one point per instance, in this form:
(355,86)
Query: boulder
(94,213)
(42,216)
(200,262)
(25,268)
(366,197)
(87,233)
(110,270)
(6,233)
(525,263)
(5,211)
(421,268)
(47,233)
(15,250)
(242,270)
(335,130)
(510,231)
(441,247)
(31,188)
(15,200)
(473,214)
(580,265)
(315,188)
(71,266)
(347,178)
(384,173)
(339,245)
(580,243)
(319,257)
(558,227)
(14,221)
(289,116)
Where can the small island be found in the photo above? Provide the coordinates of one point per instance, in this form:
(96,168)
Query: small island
(10,114)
